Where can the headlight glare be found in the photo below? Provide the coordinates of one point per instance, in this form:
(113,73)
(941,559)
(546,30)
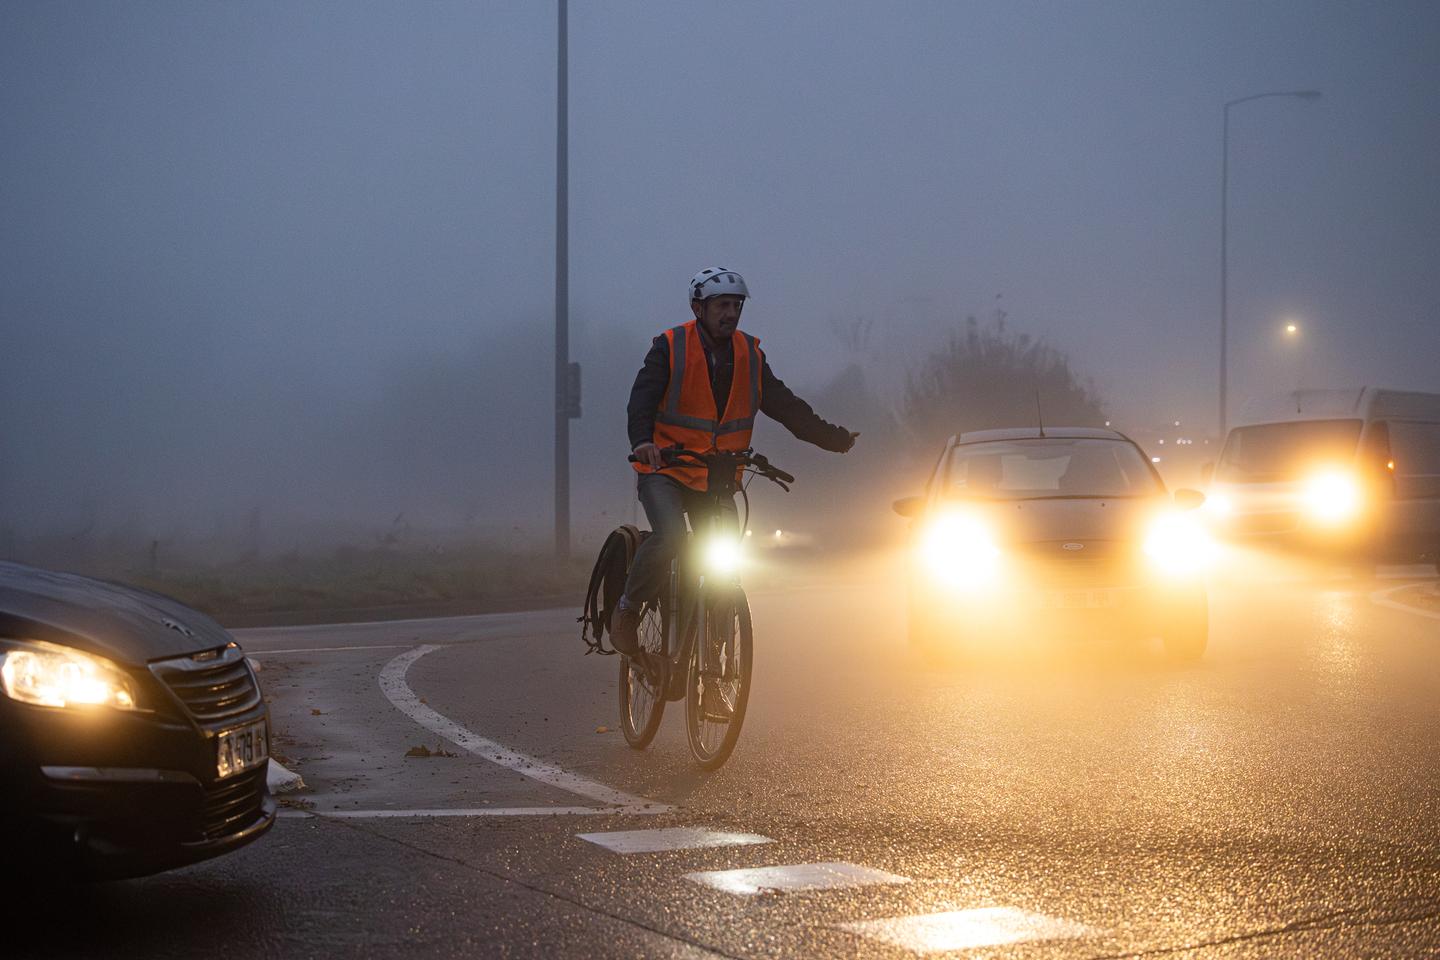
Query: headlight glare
(1218,505)
(1332,497)
(958,549)
(1178,545)
(723,555)
(51,675)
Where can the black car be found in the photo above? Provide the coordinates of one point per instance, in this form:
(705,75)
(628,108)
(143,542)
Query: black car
(1032,533)
(133,734)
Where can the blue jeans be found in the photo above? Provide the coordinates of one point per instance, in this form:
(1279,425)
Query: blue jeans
(666,501)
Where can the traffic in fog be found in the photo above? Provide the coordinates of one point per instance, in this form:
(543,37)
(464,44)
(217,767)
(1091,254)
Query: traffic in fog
(847,480)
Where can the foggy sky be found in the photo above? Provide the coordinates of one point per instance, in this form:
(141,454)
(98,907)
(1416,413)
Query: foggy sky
(298,257)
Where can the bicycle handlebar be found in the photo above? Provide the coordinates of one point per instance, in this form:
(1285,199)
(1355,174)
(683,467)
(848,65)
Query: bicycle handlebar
(748,458)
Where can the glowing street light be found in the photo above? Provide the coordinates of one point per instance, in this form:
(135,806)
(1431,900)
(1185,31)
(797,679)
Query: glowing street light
(1224,230)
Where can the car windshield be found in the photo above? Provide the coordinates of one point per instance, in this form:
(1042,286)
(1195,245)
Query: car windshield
(1051,468)
(1286,451)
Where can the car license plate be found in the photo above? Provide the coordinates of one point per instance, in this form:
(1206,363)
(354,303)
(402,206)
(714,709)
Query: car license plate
(1096,598)
(240,749)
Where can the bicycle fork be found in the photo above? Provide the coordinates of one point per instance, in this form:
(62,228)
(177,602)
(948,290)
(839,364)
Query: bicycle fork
(672,639)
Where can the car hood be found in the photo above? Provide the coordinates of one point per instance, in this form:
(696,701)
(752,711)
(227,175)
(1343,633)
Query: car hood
(123,623)
(1079,521)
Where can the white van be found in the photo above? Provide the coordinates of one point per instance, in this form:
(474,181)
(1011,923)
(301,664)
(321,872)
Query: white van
(1355,472)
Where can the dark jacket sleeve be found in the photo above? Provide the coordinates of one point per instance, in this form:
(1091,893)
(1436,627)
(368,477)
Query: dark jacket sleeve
(795,415)
(648,392)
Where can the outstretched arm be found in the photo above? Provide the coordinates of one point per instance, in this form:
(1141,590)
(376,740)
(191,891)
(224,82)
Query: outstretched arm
(778,403)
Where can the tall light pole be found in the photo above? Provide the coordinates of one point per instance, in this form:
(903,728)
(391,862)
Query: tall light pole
(1224,234)
(564,403)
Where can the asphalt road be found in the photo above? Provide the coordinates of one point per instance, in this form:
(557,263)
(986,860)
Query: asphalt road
(1281,798)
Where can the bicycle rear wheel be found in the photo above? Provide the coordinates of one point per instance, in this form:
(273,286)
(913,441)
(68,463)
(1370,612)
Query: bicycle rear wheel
(715,703)
(642,687)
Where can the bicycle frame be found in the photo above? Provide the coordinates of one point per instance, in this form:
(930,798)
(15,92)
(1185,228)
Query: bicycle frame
(715,694)
(720,487)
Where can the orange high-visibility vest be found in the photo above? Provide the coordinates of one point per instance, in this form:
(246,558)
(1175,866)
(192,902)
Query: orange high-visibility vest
(687,415)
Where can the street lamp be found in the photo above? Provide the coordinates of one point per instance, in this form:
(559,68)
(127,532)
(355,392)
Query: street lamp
(1224,230)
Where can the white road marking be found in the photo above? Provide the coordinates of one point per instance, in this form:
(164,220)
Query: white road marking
(669,838)
(967,929)
(490,617)
(464,812)
(358,646)
(793,877)
(1382,597)
(392,684)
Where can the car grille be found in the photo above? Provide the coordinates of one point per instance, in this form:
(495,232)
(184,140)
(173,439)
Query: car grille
(1263,523)
(232,805)
(1099,563)
(211,689)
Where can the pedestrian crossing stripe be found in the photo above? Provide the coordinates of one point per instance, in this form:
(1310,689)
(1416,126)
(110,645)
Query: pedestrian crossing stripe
(793,878)
(669,838)
(967,929)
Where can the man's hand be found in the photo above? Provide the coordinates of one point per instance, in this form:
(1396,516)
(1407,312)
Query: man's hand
(649,454)
(849,441)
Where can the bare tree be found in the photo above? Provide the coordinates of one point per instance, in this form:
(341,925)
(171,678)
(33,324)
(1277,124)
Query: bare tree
(986,376)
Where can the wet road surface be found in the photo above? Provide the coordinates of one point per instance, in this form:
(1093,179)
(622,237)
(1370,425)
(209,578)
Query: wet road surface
(1280,798)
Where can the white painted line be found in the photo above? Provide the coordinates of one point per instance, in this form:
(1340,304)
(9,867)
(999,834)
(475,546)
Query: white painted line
(281,780)
(793,877)
(490,617)
(968,929)
(466,812)
(392,684)
(358,646)
(471,812)
(1382,597)
(670,838)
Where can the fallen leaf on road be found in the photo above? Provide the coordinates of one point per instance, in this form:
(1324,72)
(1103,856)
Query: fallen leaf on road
(424,751)
(602,729)
(314,712)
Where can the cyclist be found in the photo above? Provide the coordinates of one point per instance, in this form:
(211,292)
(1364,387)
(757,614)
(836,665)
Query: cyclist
(701,386)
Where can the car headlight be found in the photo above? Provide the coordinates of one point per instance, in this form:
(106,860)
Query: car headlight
(1177,544)
(51,675)
(959,550)
(1332,497)
(723,555)
(1218,505)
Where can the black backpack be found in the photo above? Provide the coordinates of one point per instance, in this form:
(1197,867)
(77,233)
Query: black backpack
(607,583)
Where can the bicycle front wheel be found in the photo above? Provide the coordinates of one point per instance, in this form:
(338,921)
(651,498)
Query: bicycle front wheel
(715,699)
(642,686)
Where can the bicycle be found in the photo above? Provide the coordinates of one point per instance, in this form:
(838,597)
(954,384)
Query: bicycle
(704,598)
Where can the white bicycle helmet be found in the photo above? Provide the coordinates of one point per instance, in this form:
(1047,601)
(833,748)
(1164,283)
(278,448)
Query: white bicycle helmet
(717,282)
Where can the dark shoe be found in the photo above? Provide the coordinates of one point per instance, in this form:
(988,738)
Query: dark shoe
(624,631)
(717,700)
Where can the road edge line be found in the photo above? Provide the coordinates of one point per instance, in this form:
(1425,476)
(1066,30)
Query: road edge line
(398,692)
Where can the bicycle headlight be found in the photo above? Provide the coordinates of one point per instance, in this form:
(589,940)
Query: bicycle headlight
(51,675)
(959,550)
(1178,545)
(1332,497)
(723,555)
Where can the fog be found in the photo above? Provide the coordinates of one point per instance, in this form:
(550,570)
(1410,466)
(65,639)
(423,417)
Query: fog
(278,272)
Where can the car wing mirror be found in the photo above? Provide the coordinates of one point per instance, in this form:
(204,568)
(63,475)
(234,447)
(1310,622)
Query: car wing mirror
(1187,499)
(909,506)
